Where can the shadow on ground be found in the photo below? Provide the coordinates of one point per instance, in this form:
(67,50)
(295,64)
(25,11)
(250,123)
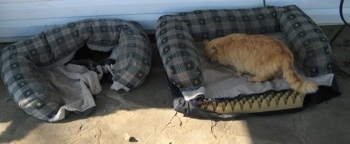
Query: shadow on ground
(325,123)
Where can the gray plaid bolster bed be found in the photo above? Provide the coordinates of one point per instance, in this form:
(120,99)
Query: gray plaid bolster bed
(21,60)
(177,34)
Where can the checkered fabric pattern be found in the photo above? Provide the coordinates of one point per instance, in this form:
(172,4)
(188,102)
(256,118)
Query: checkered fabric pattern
(178,53)
(176,35)
(133,56)
(307,41)
(20,61)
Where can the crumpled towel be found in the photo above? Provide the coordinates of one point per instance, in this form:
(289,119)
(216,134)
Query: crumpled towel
(220,82)
(76,85)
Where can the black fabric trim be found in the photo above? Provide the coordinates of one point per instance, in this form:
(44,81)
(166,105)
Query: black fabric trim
(180,105)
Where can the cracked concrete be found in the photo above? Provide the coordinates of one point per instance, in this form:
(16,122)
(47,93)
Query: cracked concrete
(147,115)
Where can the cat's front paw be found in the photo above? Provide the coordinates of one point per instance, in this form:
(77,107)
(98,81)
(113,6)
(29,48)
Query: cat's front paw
(238,74)
(255,79)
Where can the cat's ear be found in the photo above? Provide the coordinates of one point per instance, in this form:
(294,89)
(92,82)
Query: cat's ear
(205,42)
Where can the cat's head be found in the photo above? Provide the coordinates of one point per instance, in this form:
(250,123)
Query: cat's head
(211,51)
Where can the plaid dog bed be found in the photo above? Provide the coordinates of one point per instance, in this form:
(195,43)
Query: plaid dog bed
(20,61)
(177,34)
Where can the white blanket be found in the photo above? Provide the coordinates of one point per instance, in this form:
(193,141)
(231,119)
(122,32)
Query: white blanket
(76,86)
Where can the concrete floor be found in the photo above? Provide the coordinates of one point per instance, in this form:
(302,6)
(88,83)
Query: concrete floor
(147,115)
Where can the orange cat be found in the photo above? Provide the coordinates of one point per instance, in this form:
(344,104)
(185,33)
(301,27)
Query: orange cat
(260,55)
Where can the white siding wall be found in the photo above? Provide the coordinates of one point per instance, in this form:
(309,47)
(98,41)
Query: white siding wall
(20,19)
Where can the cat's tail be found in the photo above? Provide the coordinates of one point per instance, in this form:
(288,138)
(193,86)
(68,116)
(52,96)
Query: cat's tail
(295,81)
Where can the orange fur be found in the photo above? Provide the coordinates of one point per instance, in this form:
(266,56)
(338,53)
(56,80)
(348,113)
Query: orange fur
(259,55)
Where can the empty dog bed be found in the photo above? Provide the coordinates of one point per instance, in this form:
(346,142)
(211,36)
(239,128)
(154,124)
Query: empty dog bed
(22,61)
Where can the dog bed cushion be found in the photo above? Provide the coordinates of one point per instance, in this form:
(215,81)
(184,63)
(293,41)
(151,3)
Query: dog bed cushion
(21,61)
(178,34)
